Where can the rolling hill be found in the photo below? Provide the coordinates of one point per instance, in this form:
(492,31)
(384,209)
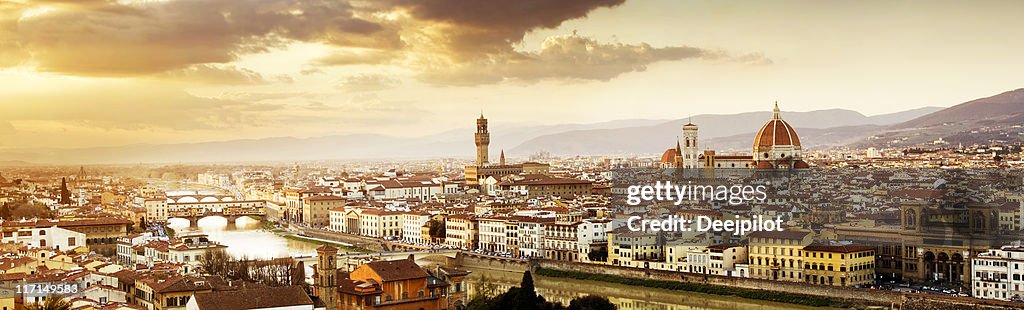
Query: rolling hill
(990,120)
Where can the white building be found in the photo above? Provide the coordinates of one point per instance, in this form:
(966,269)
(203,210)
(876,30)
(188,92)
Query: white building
(724,257)
(591,233)
(336,219)
(421,188)
(328,182)
(698,261)
(531,236)
(378,223)
(126,247)
(45,237)
(412,227)
(999,274)
(498,234)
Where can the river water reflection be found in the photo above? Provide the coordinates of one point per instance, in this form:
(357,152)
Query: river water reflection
(626,297)
(246,238)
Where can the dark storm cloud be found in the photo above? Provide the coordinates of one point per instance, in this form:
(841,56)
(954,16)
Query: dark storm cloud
(107,38)
(573,57)
(486,27)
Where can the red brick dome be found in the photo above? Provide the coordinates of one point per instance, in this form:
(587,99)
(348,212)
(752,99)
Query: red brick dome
(669,155)
(776,132)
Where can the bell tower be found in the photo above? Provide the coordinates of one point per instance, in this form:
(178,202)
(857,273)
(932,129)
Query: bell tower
(482,138)
(325,283)
(690,151)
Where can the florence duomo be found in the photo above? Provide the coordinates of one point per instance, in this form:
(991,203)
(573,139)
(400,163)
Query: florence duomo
(776,146)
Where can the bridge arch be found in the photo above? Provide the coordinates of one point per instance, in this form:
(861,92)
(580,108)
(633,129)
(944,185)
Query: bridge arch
(193,198)
(187,199)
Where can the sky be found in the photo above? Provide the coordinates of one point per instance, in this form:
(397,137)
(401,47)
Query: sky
(94,73)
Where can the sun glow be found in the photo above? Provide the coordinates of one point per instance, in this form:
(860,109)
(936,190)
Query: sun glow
(35,12)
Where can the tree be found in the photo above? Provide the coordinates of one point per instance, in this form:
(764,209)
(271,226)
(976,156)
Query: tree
(215,262)
(436,229)
(5,212)
(598,255)
(270,272)
(527,297)
(28,210)
(51,303)
(485,288)
(591,302)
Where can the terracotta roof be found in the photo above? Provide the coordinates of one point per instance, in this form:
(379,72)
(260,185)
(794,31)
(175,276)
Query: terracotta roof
(67,223)
(253,298)
(324,198)
(787,234)
(397,270)
(539,179)
(776,132)
(355,287)
(724,246)
(837,248)
(164,284)
(669,155)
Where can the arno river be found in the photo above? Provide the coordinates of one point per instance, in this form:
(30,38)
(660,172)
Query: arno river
(248,239)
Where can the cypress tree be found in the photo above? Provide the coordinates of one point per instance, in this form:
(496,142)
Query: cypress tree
(527,297)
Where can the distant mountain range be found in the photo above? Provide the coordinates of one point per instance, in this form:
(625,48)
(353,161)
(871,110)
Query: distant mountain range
(995,119)
(992,120)
(724,132)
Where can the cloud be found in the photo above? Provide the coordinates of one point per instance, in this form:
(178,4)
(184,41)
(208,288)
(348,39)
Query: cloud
(107,38)
(366,57)
(256,97)
(473,29)
(11,51)
(455,42)
(368,83)
(133,106)
(446,42)
(572,57)
(216,74)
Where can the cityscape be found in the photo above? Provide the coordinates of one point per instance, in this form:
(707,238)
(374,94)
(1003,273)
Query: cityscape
(918,228)
(479,155)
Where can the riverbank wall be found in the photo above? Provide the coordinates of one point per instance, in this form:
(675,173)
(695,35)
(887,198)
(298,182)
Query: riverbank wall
(862,298)
(465,259)
(851,295)
(356,241)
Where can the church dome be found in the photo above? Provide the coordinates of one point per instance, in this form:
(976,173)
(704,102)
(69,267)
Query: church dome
(669,155)
(776,132)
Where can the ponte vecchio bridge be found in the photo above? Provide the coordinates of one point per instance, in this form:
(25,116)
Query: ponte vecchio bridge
(231,210)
